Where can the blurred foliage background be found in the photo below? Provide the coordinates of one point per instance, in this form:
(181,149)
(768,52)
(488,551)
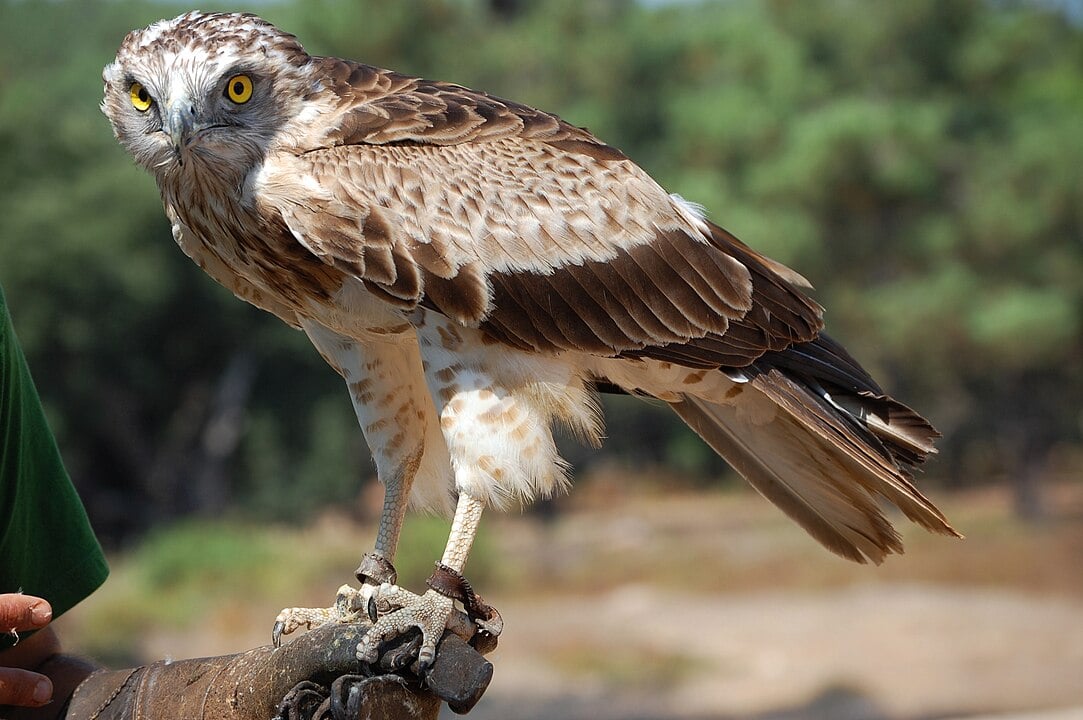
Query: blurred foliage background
(920,162)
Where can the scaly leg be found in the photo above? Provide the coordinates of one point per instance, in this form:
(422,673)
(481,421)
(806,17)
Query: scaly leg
(375,571)
(429,612)
(376,567)
(396,420)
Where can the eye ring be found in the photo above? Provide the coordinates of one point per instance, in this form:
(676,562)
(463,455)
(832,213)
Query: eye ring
(239,89)
(141,99)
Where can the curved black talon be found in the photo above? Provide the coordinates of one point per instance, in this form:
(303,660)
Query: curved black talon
(276,633)
(424,665)
(370,608)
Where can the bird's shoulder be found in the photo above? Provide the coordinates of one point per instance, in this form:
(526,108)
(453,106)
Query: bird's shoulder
(374,106)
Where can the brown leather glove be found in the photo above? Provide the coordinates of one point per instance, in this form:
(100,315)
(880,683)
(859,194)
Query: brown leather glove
(252,685)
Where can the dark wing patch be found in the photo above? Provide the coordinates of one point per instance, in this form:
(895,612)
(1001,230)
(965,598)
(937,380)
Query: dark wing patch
(463,297)
(649,295)
(779,317)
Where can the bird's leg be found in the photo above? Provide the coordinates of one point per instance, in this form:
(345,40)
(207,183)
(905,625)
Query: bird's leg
(432,611)
(379,593)
(376,568)
(376,573)
(398,424)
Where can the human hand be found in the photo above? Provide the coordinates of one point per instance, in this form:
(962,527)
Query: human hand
(19,686)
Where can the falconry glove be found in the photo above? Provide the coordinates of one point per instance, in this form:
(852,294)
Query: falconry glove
(293,682)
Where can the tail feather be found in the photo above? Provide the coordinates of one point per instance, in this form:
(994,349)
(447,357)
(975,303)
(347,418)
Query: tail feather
(827,371)
(823,459)
(906,435)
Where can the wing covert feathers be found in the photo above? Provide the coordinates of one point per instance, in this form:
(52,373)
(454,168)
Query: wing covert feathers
(779,315)
(509,219)
(381,107)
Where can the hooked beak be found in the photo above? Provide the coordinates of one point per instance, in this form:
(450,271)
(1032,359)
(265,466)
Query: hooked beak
(184,124)
(180,123)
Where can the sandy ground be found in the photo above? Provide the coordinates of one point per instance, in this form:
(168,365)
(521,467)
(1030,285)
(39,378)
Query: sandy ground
(883,651)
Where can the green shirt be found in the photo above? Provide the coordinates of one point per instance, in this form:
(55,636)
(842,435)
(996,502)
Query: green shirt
(47,547)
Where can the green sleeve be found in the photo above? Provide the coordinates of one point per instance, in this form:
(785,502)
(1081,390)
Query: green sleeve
(47,547)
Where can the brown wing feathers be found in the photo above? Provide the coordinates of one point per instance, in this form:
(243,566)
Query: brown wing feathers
(777,316)
(650,295)
(382,107)
(673,297)
(657,291)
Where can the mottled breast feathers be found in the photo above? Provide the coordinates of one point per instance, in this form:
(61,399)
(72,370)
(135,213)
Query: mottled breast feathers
(507,218)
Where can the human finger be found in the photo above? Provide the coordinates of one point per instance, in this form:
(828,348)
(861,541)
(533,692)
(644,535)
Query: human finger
(24,688)
(23,612)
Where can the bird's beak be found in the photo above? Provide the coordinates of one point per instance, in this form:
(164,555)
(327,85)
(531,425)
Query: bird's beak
(180,122)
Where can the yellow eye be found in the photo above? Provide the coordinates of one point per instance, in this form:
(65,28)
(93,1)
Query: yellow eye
(141,99)
(239,89)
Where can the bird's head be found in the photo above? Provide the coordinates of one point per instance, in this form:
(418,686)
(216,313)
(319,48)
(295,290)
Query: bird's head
(204,92)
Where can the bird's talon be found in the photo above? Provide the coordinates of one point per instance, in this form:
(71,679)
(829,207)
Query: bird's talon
(349,607)
(429,613)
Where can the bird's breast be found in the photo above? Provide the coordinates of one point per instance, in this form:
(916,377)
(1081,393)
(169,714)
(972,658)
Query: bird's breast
(258,250)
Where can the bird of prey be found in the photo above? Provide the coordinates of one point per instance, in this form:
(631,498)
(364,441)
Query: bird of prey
(477,270)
